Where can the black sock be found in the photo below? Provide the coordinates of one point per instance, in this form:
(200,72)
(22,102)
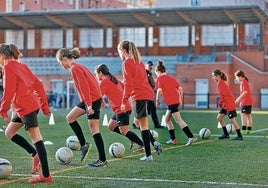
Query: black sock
(238,133)
(187,131)
(225,131)
(133,137)
(78,132)
(146,141)
(172,134)
(117,130)
(152,140)
(244,127)
(41,150)
(22,142)
(100,146)
(249,128)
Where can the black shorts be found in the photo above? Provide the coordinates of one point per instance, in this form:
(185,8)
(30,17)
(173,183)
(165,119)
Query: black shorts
(173,108)
(140,108)
(231,114)
(96,105)
(29,120)
(122,119)
(246,109)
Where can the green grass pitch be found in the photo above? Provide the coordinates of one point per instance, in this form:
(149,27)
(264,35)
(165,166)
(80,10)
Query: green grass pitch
(207,163)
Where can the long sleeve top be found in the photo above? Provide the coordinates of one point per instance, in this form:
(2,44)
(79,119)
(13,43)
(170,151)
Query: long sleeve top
(169,86)
(135,81)
(23,89)
(227,100)
(86,84)
(247,99)
(114,92)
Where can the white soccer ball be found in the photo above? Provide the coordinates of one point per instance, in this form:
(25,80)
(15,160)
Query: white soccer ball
(117,150)
(64,155)
(230,128)
(72,142)
(5,168)
(204,133)
(154,134)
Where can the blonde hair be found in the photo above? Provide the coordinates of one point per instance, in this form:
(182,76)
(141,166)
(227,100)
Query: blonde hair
(131,49)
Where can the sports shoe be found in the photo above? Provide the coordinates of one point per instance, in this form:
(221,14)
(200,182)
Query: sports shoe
(98,163)
(140,149)
(147,159)
(157,147)
(238,138)
(190,141)
(249,132)
(170,141)
(224,136)
(84,150)
(40,179)
(244,132)
(36,165)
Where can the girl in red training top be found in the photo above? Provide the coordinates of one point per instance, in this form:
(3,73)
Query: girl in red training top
(137,87)
(27,95)
(172,93)
(227,105)
(113,89)
(245,100)
(90,102)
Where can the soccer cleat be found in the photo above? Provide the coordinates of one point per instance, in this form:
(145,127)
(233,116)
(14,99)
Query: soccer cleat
(147,159)
(140,149)
(40,179)
(98,163)
(157,147)
(190,141)
(224,136)
(36,165)
(84,150)
(244,132)
(238,138)
(249,132)
(172,141)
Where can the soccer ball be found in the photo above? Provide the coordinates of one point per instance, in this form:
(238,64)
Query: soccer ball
(5,168)
(117,150)
(230,128)
(64,155)
(154,134)
(72,142)
(204,133)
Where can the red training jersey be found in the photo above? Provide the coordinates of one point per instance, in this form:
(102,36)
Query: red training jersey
(227,100)
(135,81)
(169,86)
(247,99)
(114,92)
(86,84)
(23,89)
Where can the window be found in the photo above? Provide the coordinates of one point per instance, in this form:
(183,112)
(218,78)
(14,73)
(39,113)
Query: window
(136,35)
(212,35)
(174,36)
(195,2)
(21,7)
(252,32)
(9,6)
(14,36)
(93,37)
(51,38)
(31,41)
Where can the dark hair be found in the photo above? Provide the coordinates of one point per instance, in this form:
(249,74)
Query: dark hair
(10,51)
(65,52)
(105,71)
(160,66)
(241,73)
(218,72)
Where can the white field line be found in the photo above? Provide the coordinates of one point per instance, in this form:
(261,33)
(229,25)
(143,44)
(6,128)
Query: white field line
(155,180)
(260,130)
